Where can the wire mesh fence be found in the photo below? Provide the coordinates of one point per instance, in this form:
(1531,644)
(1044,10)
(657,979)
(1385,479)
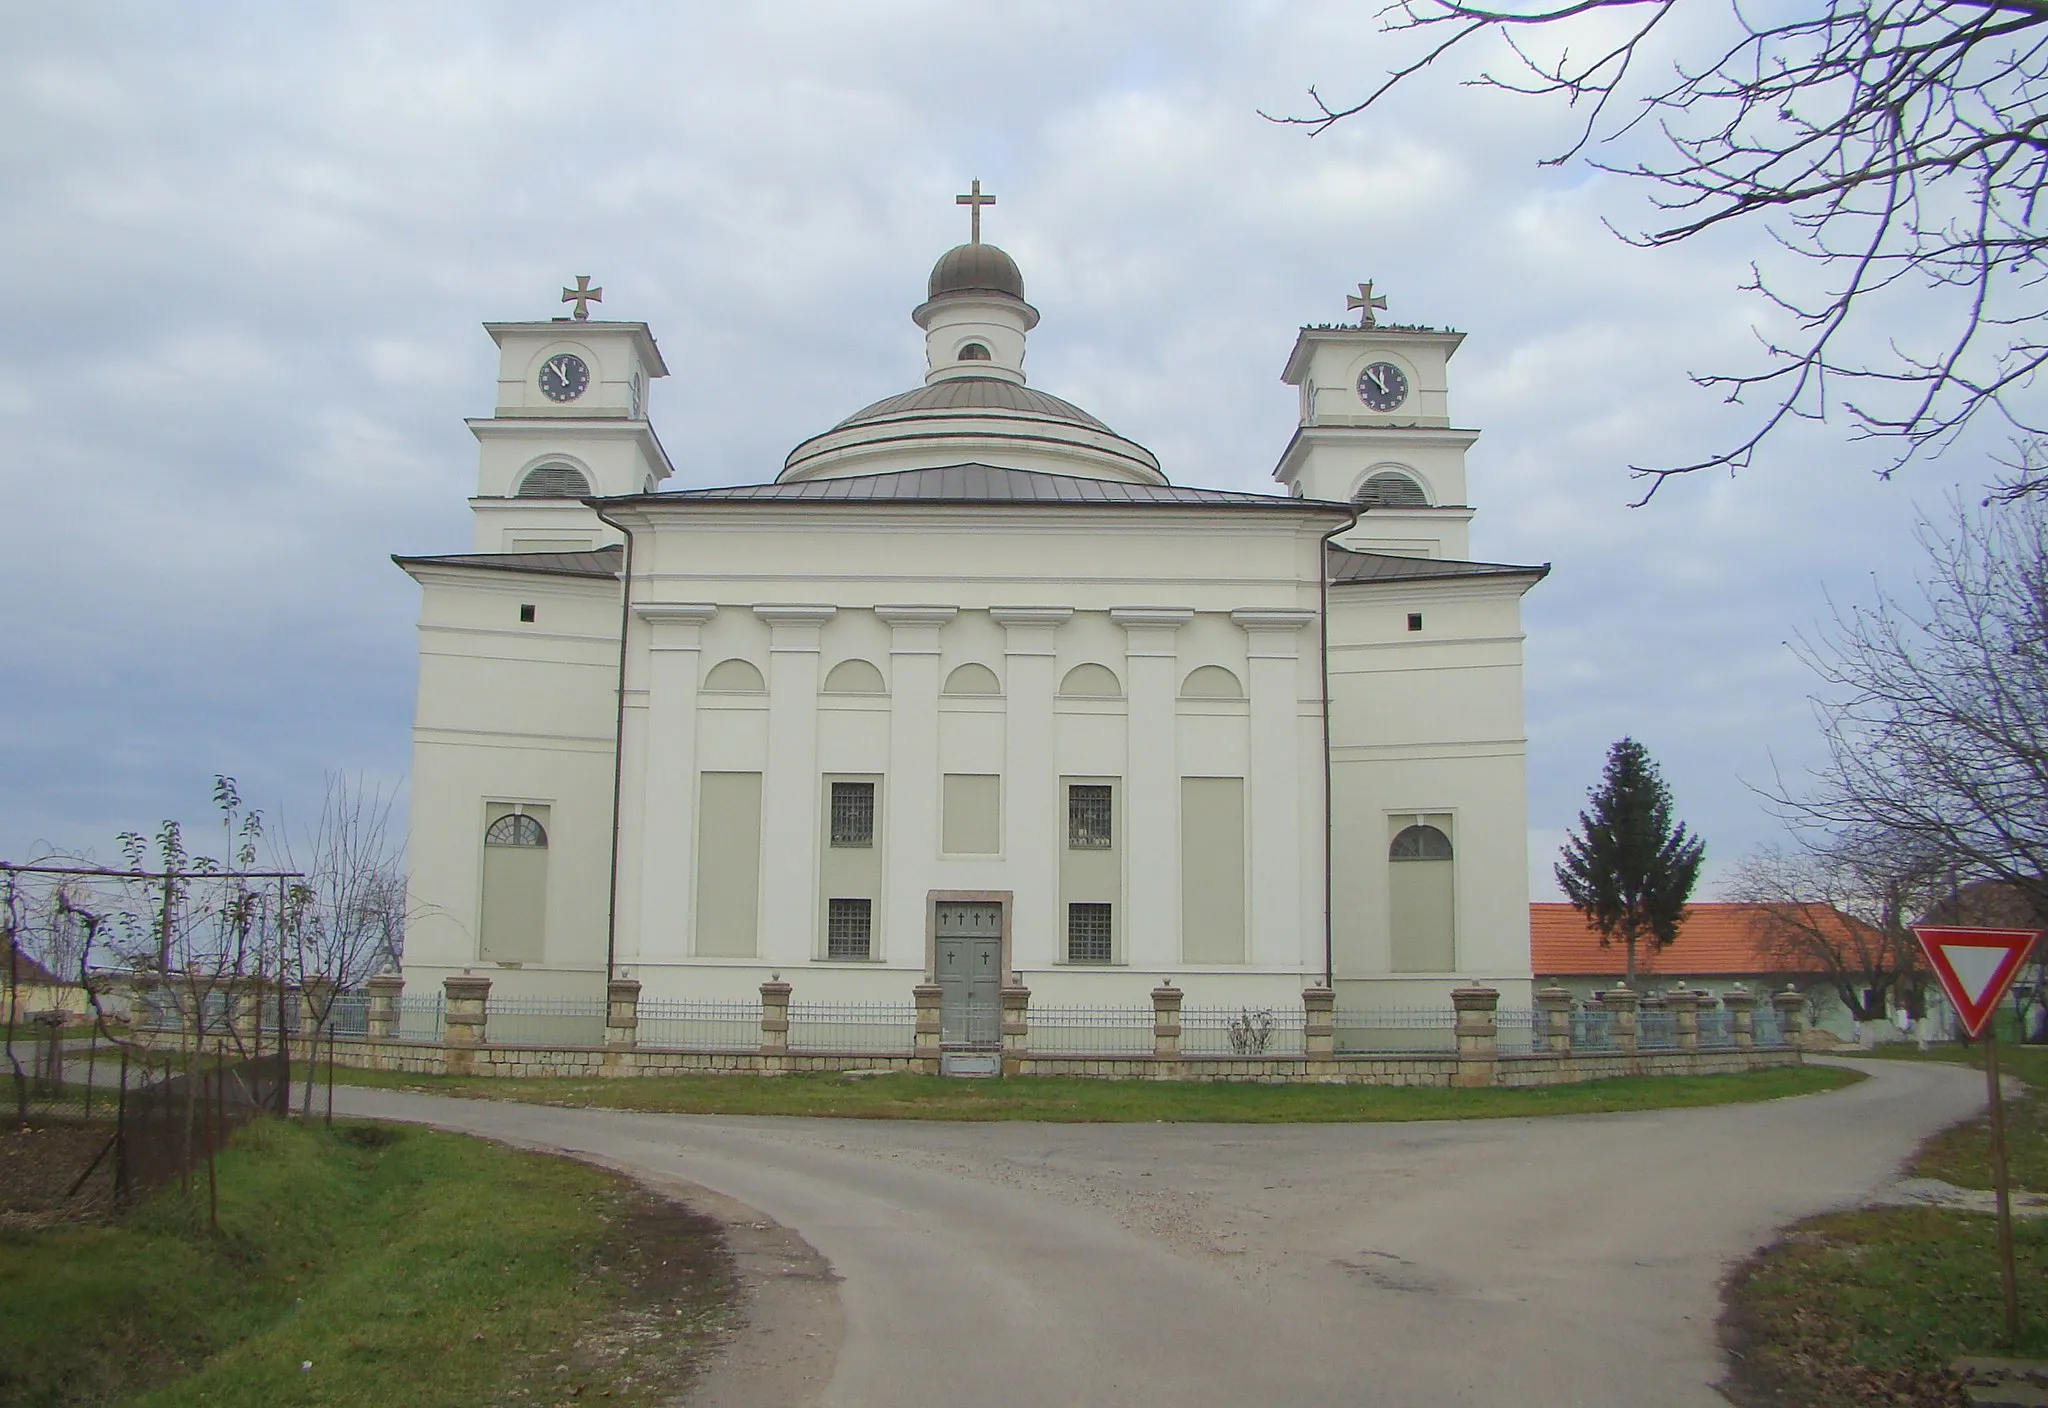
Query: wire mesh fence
(866,1028)
(1241,1031)
(699,1024)
(546,1021)
(1091,1031)
(1364,1030)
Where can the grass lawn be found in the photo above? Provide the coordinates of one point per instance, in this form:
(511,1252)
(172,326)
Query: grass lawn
(1868,1307)
(361,1265)
(1071,1099)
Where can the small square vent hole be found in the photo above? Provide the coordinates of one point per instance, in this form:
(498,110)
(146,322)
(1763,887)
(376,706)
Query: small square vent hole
(1414,619)
(526,614)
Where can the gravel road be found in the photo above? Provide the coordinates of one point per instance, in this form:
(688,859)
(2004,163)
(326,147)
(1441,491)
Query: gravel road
(1561,1261)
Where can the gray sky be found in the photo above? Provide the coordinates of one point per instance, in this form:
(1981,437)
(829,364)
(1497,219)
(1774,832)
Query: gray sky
(247,248)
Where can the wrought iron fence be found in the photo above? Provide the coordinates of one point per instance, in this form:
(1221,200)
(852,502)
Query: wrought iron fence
(1518,1031)
(1656,1029)
(868,1028)
(420,1016)
(1716,1028)
(971,1024)
(1592,1029)
(700,1024)
(1241,1031)
(546,1021)
(1091,1031)
(1765,1026)
(1395,1030)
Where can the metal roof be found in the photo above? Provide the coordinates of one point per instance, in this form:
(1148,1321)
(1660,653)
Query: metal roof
(1349,566)
(975,268)
(595,563)
(982,484)
(974,393)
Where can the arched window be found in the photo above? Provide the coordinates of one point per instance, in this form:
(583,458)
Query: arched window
(735,677)
(854,677)
(974,352)
(1422,890)
(1091,682)
(513,925)
(973,679)
(1390,489)
(1211,682)
(554,481)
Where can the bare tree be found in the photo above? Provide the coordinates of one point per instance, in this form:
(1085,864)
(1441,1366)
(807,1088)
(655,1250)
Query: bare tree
(346,918)
(1935,715)
(1843,903)
(1899,145)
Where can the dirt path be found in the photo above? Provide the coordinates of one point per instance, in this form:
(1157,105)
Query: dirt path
(1564,1261)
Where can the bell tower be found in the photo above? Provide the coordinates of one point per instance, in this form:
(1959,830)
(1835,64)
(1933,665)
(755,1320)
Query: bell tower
(570,423)
(1376,432)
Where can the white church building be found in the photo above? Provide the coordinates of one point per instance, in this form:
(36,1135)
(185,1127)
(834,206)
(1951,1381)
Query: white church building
(971,689)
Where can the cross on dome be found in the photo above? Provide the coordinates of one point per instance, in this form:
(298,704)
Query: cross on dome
(583,295)
(1364,303)
(974,201)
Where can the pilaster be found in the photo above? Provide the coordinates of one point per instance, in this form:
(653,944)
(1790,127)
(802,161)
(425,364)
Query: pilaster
(1151,831)
(658,796)
(789,792)
(1031,805)
(910,811)
(1273,820)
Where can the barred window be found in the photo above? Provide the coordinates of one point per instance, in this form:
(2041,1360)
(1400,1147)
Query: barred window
(853,815)
(1088,933)
(1088,817)
(847,927)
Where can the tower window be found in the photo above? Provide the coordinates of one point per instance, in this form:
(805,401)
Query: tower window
(975,352)
(554,481)
(1390,489)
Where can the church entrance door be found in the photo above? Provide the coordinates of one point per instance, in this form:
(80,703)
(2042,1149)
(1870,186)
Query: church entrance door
(969,937)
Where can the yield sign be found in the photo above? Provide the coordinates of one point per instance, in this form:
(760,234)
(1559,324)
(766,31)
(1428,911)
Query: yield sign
(1975,966)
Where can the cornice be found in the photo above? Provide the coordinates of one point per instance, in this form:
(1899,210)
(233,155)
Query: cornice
(794,613)
(1030,615)
(917,615)
(692,612)
(1257,618)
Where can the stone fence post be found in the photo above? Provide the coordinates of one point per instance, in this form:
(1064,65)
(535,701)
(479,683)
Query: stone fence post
(1554,1030)
(385,990)
(924,1042)
(1684,1005)
(316,1000)
(1319,1024)
(1741,1005)
(465,1014)
(1791,1005)
(1016,1027)
(1166,1025)
(774,1027)
(1478,1043)
(622,1013)
(1621,1006)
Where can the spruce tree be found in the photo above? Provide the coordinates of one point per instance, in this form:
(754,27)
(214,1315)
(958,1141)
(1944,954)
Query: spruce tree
(1628,869)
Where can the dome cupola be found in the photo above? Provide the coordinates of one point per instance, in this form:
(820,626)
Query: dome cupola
(976,268)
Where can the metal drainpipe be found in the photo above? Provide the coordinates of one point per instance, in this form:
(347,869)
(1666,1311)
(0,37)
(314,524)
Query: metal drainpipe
(1329,772)
(611,920)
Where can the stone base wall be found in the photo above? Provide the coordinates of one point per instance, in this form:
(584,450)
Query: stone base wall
(1435,1069)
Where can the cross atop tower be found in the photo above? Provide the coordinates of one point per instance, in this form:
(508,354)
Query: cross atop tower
(583,295)
(1364,304)
(974,201)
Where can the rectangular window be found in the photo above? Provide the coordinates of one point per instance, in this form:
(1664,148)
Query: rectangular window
(1088,933)
(847,927)
(853,813)
(1088,817)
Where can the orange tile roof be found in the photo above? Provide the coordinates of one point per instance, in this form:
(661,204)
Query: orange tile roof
(1716,940)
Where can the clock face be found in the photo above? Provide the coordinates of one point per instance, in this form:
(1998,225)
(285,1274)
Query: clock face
(563,377)
(1383,386)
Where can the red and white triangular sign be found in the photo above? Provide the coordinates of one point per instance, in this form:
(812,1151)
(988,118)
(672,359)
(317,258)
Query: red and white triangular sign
(1975,966)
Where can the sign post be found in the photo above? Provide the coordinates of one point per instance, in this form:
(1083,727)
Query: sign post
(1975,967)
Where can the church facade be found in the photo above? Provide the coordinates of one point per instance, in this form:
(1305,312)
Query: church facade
(970,693)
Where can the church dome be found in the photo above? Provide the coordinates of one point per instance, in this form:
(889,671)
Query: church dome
(975,268)
(974,393)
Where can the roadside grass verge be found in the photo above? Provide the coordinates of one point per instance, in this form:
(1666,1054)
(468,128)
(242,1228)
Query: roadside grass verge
(1961,1154)
(364,1265)
(1071,1099)
(1856,1308)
